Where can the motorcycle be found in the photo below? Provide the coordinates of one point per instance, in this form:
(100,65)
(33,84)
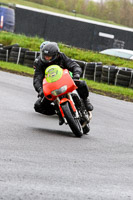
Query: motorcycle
(60,89)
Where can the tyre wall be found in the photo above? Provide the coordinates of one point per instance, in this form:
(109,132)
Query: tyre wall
(95,71)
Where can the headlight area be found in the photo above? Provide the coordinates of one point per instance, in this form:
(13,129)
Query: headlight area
(59,91)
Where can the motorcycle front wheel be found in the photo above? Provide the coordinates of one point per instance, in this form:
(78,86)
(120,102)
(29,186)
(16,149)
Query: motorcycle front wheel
(74,123)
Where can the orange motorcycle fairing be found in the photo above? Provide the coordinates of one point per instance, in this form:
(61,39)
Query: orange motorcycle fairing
(65,80)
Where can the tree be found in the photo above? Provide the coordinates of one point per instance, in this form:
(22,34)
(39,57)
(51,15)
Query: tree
(80,7)
(112,8)
(126,11)
(92,9)
(61,5)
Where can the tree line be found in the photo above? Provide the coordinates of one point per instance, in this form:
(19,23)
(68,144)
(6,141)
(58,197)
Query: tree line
(118,11)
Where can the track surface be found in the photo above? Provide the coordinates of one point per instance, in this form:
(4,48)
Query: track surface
(41,160)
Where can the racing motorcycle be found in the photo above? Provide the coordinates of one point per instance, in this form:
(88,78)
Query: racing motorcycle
(60,89)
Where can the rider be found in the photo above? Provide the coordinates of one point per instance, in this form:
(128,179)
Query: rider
(50,54)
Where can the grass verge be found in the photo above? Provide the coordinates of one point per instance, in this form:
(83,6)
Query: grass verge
(18,69)
(118,92)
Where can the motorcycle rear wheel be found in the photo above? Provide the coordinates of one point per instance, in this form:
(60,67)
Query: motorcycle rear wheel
(74,124)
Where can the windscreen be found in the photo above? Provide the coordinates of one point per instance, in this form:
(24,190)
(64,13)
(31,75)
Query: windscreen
(53,73)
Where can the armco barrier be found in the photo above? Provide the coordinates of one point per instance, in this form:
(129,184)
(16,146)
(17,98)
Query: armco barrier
(90,70)
(74,31)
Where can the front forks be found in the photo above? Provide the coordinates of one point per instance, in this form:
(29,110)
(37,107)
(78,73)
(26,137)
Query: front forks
(76,114)
(67,98)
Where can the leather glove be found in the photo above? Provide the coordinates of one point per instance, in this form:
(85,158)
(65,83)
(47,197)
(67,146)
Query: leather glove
(40,93)
(76,76)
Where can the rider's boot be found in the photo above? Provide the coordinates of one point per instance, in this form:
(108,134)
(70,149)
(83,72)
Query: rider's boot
(88,105)
(86,129)
(61,120)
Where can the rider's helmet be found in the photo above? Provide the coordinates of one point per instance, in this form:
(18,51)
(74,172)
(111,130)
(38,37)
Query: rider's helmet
(50,50)
(43,44)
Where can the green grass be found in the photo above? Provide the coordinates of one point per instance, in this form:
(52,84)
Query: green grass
(20,69)
(111,90)
(32,43)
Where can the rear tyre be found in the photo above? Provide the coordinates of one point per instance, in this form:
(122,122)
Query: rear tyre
(74,124)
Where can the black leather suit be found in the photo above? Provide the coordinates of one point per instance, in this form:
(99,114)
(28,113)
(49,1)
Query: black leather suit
(64,62)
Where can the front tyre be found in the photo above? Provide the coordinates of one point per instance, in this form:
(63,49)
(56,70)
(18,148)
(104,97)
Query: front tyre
(74,124)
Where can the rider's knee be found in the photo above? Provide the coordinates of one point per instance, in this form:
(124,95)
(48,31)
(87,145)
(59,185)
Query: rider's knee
(37,106)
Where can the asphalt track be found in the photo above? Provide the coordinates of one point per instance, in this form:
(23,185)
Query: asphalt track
(40,160)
